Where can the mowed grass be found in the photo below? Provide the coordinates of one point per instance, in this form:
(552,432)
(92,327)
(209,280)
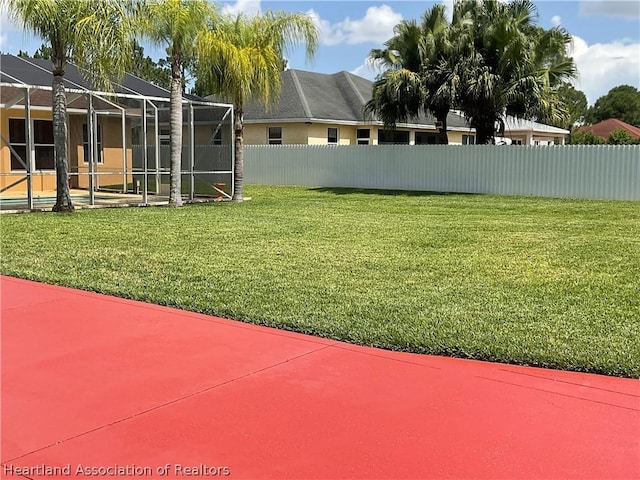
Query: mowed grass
(543,282)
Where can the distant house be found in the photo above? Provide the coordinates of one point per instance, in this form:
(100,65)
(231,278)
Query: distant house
(322,109)
(603,129)
(527,132)
(327,109)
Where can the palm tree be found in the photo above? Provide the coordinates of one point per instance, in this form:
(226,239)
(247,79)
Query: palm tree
(398,93)
(241,59)
(421,69)
(514,67)
(177,24)
(96,35)
(490,61)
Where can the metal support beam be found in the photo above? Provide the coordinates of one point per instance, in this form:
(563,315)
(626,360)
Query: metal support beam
(233,152)
(145,155)
(192,156)
(17,182)
(124,151)
(91,147)
(29,141)
(16,100)
(12,150)
(220,123)
(156,142)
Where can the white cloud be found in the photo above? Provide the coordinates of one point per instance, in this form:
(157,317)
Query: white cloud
(556,21)
(327,37)
(603,66)
(365,70)
(611,8)
(247,7)
(376,27)
(7,26)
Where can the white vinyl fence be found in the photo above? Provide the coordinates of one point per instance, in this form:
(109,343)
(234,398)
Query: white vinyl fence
(575,171)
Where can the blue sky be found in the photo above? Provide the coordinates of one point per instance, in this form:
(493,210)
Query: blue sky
(606,34)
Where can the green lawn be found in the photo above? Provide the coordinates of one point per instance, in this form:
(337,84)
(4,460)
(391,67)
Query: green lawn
(522,280)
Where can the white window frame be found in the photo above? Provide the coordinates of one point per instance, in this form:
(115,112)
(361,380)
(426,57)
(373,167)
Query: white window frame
(275,140)
(363,140)
(33,145)
(85,145)
(329,142)
(467,137)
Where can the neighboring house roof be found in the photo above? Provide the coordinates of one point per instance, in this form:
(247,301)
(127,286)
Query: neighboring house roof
(513,125)
(337,98)
(340,98)
(37,72)
(603,129)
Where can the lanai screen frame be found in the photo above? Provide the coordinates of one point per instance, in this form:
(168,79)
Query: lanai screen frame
(147,103)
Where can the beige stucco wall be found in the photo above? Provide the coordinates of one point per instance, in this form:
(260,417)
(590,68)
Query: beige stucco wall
(42,180)
(46,180)
(110,171)
(292,133)
(317,133)
(455,138)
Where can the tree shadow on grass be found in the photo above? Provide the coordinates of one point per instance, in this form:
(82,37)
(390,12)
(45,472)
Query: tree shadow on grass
(395,193)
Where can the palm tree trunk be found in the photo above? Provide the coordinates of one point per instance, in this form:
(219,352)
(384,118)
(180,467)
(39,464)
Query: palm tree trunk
(175,178)
(484,134)
(441,117)
(238,129)
(60,145)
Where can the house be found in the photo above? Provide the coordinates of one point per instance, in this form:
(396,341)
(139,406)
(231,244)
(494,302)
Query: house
(320,109)
(327,109)
(528,132)
(606,127)
(115,139)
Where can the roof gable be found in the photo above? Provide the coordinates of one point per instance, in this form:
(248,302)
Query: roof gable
(338,97)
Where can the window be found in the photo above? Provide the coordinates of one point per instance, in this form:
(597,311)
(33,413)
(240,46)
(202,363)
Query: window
(468,139)
(393,137)
(332,136)
(18,141)
(43,151)
(516,142)
(85,144)
(427,138)
(274,136)
(217,138)
(363,136)
(165,136)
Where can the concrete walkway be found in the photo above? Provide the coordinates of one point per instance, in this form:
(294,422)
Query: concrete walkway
(99,385)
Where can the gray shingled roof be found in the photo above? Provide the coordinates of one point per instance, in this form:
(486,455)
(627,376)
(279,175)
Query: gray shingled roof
(37,72)
(338,97)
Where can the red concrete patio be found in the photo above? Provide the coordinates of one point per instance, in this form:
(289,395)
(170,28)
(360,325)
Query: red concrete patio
(122,389)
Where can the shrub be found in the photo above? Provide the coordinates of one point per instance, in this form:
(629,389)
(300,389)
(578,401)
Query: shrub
(585,138)
(622,137)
